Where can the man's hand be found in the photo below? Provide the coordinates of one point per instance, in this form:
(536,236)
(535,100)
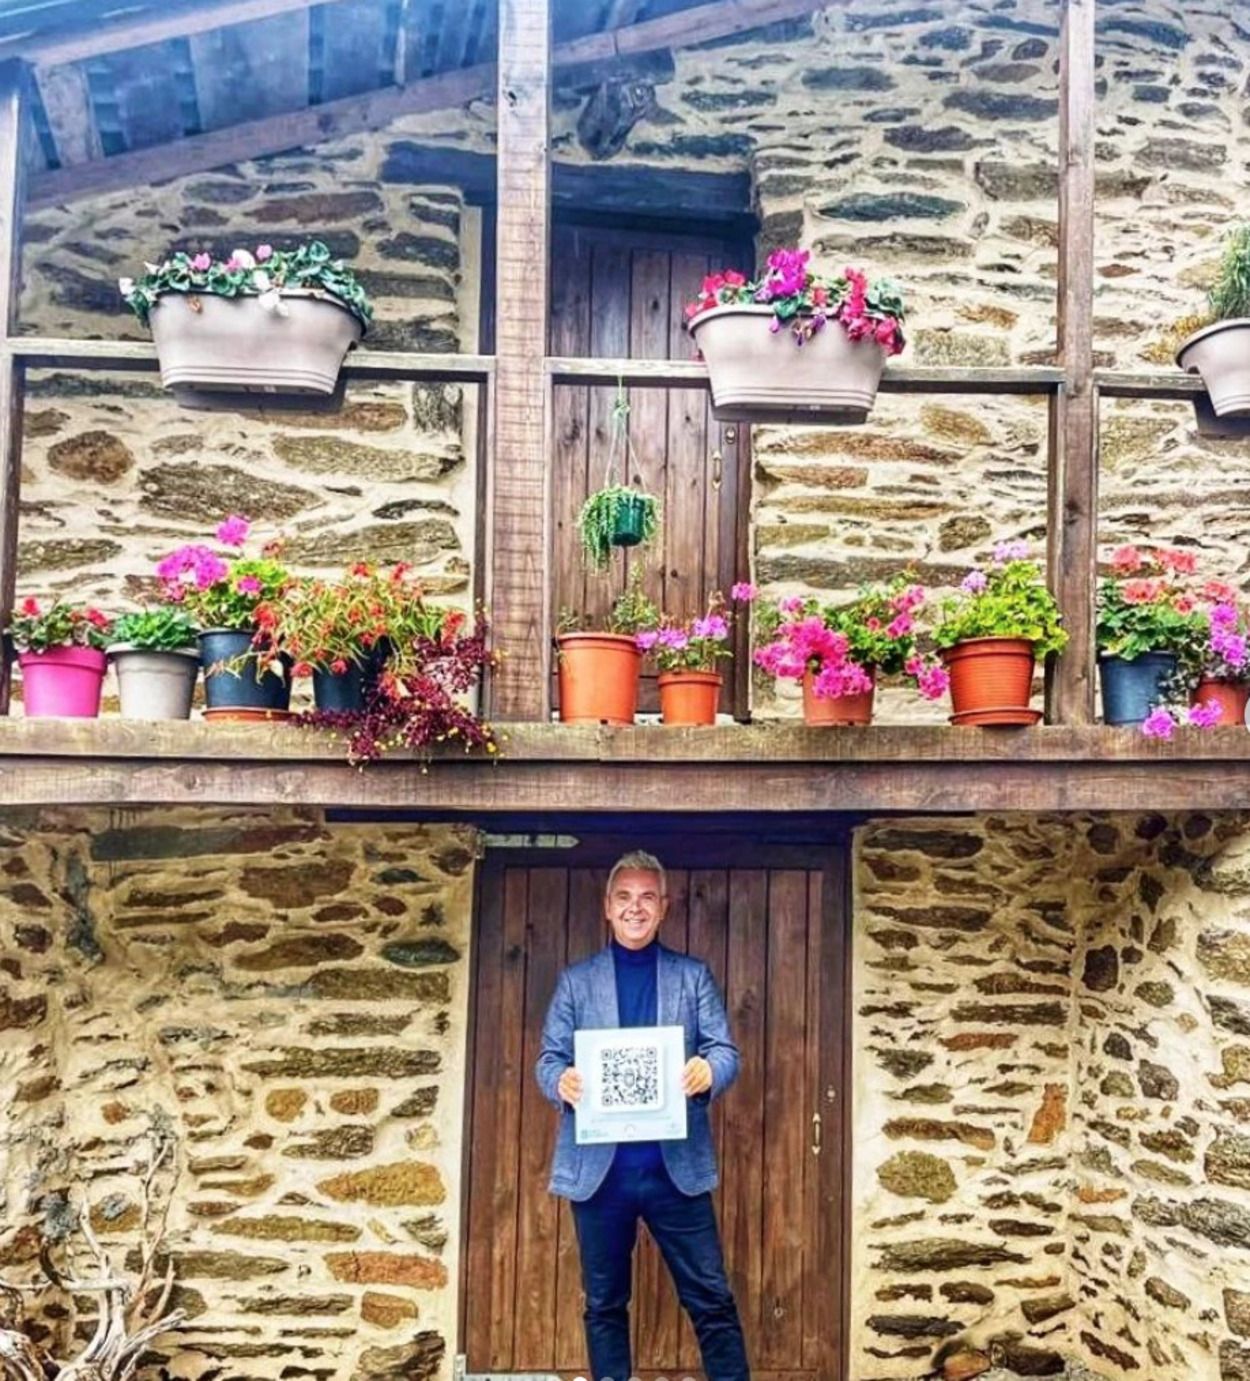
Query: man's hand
(696,1078)
(570,1086)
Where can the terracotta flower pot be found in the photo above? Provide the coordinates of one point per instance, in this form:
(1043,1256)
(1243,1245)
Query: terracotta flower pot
(1221,354)
(762,375)
(836,709)
(689,697)
(991,681)
(1231,696)
(62,683)
(598,675)
(233,344)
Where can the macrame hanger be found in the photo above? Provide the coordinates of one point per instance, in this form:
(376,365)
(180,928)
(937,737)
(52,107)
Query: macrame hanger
(621,443)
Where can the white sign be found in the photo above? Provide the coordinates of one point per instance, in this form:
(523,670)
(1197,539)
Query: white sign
(631,1084)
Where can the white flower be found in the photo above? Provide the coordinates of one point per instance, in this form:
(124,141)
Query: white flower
(261,281)
(127,286)
(243,259)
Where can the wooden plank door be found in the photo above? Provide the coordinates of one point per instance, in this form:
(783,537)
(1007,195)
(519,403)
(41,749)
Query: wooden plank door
(621,293)
(772,936)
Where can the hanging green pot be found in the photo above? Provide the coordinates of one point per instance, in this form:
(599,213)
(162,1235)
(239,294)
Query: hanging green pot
(629,526)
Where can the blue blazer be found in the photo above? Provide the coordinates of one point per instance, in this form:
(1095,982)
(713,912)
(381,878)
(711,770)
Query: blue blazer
(686,995)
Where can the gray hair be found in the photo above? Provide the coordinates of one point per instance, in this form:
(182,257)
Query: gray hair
(644,862)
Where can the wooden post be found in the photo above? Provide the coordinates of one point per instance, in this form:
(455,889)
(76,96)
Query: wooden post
(13,79)
(1072,488)
(519,570)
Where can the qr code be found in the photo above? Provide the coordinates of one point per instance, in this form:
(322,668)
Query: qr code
(629,1076)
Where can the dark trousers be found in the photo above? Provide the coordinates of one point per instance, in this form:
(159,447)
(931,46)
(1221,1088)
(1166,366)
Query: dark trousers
(684,1229)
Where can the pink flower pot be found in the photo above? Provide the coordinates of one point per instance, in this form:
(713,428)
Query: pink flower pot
(62,683)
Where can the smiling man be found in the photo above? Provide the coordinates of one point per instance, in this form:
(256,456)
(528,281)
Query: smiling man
(636,981)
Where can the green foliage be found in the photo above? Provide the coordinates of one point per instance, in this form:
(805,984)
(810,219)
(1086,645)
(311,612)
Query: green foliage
(34,629)
(631,614)
(269,273)
(597,522)
(163,629)
(1128,627)
(1013,602)
(1230,294)
(233,601)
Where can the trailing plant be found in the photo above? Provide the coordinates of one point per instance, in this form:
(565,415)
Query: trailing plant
(419,700)
(36,629)
(696,644)
(268,274)
(164,629)
(1230,293)
(804,302)
(225,592)
(844,646)
(601,519)
(1005,598)
(632,612)
(1146,604)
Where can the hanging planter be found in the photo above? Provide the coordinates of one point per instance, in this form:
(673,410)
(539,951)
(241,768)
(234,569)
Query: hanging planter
(831,711)
(236,685)
(792,346)
(273,323)
(617,515)
(1219,350)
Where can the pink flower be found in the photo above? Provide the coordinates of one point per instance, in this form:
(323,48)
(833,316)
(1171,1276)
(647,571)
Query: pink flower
(873,625)
(674,639)
(1159,724)
(263,252)
(792,604)
(901,626)
(836,679)
(233,532)
(247,585)
(30,607)
(1126,560)
(1182,562)
(646,641)
(1143,591)
(974,582)
(1205,715)
(202,262)
(713,626)
(1011,551)
(933,682)
(743,592)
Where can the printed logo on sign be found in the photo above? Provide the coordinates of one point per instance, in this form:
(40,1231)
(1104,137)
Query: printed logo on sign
(629,1077)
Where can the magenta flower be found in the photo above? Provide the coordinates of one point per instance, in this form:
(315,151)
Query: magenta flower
(233,532)
(974,582)
(713,626)
(202,262)
(247,585)
(840,678)
(1159,724)
(900,627)
(263,253)
(1011,551)
(646,641)
(1205,715)
(792,604)
(743,592)
(933,682)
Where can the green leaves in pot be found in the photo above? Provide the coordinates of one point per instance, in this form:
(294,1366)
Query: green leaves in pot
(156,630)
(607,518)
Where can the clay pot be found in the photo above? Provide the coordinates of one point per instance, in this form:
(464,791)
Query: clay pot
(991,681)
(233,344)
(1231,696)
(758,375)
(836,709)
(598,675)
(689,697)
(1221,354)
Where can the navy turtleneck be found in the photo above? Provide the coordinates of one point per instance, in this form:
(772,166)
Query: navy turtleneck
(637,1004)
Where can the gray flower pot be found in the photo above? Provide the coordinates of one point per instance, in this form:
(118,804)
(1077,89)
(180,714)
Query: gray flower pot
(155,685)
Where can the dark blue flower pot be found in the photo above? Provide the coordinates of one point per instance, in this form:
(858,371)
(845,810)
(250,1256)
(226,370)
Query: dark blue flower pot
(1131,689)
(345,692)
(235,686)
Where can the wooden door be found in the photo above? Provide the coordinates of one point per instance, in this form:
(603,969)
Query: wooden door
(771,931)
(621,293)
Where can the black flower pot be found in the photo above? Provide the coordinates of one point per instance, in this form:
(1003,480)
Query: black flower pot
(630,523)
(346,692)
(235,686)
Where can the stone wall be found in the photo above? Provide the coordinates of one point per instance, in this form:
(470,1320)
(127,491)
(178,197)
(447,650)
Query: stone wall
(1052,1097)
(287,1000)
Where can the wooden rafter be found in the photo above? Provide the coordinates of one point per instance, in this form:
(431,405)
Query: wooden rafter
(351,115)
(1072,474)
(13,89)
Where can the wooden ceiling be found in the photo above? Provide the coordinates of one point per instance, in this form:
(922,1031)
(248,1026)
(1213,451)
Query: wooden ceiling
(215,66)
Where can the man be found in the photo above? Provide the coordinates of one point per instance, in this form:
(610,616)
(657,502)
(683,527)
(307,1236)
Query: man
(636,981)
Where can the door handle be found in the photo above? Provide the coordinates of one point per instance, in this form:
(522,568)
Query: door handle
(718,465)
(817,1133)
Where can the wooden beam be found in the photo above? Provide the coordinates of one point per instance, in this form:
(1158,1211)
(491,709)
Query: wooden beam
(1170,385)
(518,549)
(13,88)
(1072,487)
(67,104)
(118,35)
(693,374)
(337,119)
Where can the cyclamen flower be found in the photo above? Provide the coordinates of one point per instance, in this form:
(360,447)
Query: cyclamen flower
(202,263)
(743,592)
(1205,715)
(1011,551)
(974,582)
(1159,724)
(263,253)
(233,532)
